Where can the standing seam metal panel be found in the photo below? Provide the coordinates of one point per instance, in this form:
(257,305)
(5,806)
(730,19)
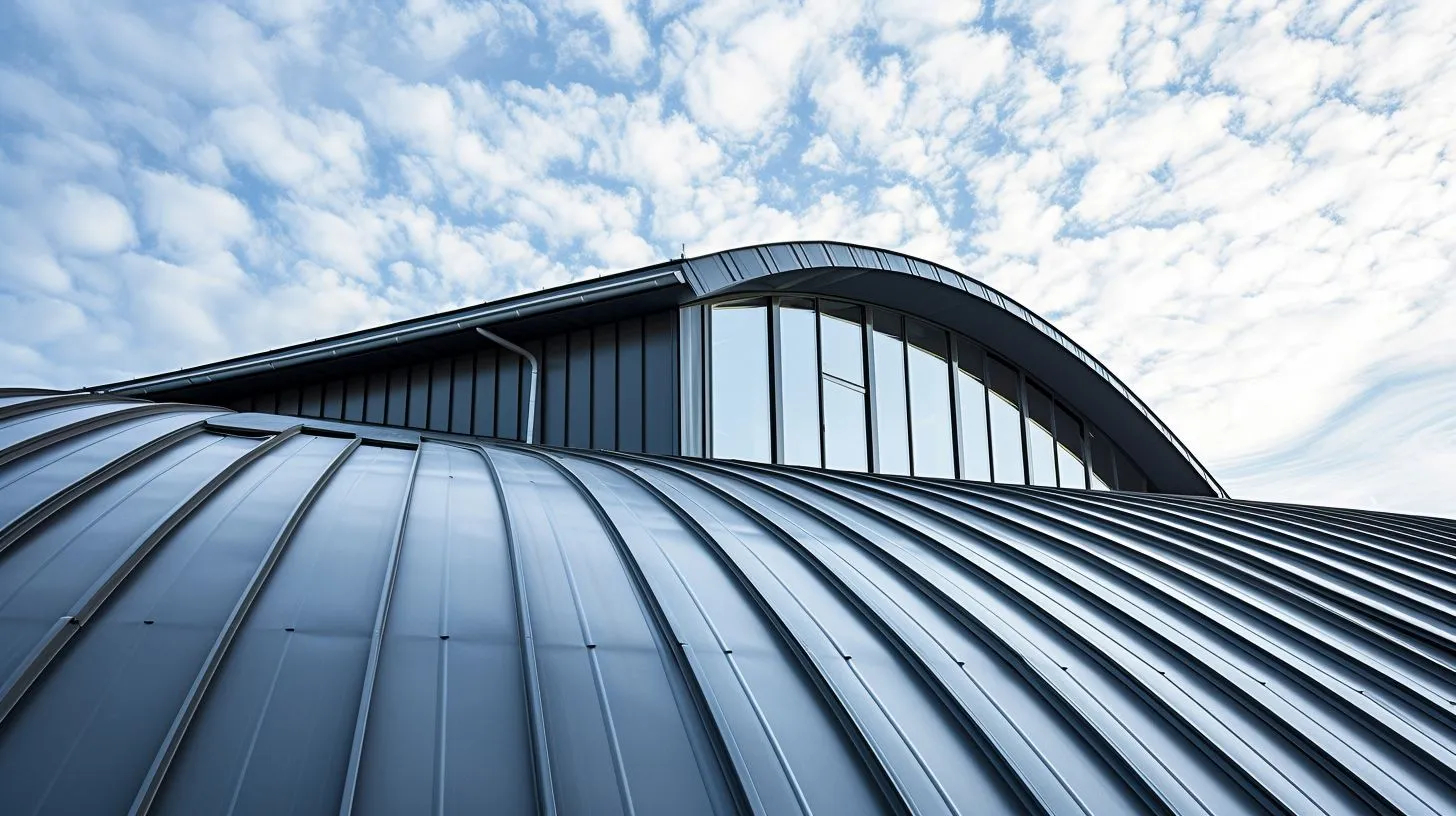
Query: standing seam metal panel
(206,617)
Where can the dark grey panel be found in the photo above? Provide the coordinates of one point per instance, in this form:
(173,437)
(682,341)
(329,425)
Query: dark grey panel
(263,621)
(579,389)
(554,391)
(418,407)
(311,400)
(629,386)
(160,625)
(356,390)
(396,397)
(659,366)
(604,388)
(483,419)
(508,396)
(333,400)
(376,400)
(441,380)
(462,393)
(288,403)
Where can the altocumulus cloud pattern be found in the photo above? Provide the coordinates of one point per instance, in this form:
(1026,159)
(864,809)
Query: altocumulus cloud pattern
(1244,207)
(203,611)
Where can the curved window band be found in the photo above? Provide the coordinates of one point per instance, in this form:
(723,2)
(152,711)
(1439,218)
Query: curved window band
(827,383)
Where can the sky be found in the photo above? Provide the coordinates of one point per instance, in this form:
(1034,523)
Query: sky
(1247,210)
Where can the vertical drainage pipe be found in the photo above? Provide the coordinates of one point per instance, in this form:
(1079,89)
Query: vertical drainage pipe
(535,379)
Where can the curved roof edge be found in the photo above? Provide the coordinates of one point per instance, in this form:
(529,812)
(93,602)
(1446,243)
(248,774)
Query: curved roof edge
(797,263)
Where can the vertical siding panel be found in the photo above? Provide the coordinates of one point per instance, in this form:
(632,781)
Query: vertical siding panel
(313,401)
(419,395)
(396,395)
(554,391)
(579,390)
(376,397)
(659,336)
(604,387)
(440,396)
(354,390)
(288,402)
(508,396)
(462,398)
(334,400)
(483,421)
(629,385)
(266,403)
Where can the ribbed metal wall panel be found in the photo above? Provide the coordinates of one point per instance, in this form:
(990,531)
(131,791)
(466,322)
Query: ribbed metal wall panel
(203,612)
(613,386)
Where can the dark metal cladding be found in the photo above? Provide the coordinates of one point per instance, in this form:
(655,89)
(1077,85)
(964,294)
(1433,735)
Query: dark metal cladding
(203,612)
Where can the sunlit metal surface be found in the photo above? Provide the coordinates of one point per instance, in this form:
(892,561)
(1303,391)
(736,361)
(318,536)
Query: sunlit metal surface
(207,612)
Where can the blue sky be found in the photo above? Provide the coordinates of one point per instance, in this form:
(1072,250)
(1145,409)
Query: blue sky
(1246,209)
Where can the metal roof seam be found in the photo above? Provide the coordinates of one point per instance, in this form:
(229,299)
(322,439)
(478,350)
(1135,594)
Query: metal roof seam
(664,631)
(540,752)
(825,641)
(151,785)
(819,671)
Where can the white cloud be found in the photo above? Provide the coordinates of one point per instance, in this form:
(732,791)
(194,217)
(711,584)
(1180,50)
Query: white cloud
(440,29)
(308,156)
(627,43)
(86,221)
(1246,209)
(190,218)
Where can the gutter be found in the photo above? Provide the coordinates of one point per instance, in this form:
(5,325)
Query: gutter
(484,315)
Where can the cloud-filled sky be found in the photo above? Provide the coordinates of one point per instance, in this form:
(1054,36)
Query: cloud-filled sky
(1246,208)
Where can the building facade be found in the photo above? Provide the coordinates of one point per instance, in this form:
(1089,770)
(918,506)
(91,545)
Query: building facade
(792,528)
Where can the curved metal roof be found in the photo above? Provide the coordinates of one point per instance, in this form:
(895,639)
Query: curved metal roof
(205,612)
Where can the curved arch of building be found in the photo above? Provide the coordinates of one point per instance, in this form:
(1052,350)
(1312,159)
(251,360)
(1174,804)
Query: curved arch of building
(964,305)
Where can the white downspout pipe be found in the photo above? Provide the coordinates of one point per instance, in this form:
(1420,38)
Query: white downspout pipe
(535,379)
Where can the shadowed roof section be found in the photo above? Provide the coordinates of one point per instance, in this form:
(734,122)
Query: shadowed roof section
(205,612)
(881,277)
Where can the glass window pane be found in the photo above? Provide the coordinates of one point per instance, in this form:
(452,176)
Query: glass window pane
(1005,409)
(845,445)
(891,420)
(1102,478)
(842,341)
(975,446)
(1070,470)
(1040,451)
(1129,477)
(799,382)
(934,446)
(740,384)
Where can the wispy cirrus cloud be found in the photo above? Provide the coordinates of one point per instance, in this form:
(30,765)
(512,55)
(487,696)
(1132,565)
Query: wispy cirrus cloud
(1246,209)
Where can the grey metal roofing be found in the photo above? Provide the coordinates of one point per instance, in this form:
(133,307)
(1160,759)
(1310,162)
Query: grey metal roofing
(828,266)
(210,612)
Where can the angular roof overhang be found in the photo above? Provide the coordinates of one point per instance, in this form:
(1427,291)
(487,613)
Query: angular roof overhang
(876,276)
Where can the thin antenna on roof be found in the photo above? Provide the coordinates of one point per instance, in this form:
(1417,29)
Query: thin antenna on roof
(684,254)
